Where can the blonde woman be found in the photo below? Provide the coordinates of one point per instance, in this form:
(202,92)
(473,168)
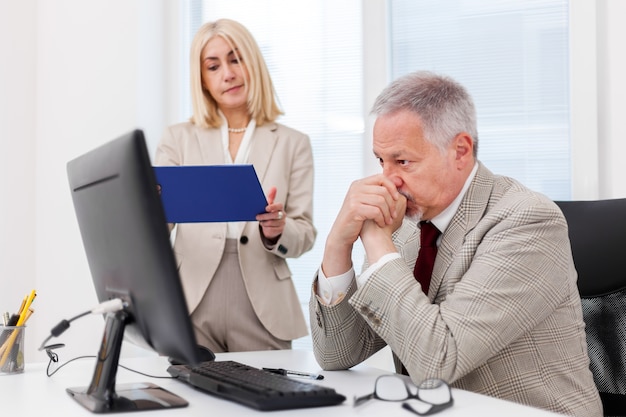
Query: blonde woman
(237,283)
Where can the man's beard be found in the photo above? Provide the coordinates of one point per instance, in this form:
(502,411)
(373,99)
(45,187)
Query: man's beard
(413,213)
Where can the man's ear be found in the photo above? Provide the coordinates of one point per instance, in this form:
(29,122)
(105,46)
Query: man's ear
(464,149)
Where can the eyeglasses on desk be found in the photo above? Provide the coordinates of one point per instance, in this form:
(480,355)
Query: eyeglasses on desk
(429,397)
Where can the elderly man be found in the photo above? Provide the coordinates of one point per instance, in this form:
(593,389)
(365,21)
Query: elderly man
(491,304)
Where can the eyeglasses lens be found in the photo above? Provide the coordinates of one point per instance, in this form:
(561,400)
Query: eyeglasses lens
(391,388)
(434,391)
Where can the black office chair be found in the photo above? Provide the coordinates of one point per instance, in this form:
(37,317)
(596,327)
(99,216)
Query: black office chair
(597,231)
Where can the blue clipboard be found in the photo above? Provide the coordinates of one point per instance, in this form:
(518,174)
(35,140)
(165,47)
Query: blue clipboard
(210,193)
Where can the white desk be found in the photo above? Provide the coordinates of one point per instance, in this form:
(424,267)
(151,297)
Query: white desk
(32,393)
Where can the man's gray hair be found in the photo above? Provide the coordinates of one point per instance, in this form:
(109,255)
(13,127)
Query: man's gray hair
(444,106)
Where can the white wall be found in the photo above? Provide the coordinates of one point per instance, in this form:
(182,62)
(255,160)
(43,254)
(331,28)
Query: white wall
(75,74)
(87,83)
(18,128)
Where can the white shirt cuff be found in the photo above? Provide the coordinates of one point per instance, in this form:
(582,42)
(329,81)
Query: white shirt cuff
(362,279)
(331,290)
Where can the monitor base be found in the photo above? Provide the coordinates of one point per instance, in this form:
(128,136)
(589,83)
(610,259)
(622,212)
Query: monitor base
(129,397)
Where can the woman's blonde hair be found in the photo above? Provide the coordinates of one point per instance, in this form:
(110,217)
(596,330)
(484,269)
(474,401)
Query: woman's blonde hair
(262,104)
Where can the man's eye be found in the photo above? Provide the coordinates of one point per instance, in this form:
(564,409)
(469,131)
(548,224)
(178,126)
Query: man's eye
(403,162)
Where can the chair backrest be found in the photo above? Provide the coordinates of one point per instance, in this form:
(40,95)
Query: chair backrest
(597,231)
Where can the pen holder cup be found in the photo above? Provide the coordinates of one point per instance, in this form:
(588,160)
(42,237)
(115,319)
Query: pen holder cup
(12,349)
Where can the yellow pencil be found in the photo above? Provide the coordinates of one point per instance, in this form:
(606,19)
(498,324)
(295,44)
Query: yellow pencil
(7,347)
(9,343)
(29,301)
(4,345)
(28,314)
(19,312)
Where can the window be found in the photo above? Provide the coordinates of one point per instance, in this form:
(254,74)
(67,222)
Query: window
(512,55)
(313,51)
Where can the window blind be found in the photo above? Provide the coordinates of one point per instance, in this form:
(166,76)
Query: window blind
(313,50)
(513,56)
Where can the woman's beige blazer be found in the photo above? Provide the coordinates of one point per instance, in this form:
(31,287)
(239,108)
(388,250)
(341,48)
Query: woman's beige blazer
(282,157)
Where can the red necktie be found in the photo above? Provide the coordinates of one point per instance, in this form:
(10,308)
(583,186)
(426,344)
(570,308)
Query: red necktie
(426,257)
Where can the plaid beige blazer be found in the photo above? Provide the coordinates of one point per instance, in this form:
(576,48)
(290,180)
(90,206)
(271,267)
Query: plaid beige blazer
(502,317)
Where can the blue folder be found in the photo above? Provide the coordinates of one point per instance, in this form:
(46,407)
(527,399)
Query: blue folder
(210,193)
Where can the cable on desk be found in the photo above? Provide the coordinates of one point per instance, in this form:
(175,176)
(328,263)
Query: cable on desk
(54,358)
(109,306)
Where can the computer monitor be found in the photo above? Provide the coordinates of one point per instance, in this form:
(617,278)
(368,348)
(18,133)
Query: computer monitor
(126,240)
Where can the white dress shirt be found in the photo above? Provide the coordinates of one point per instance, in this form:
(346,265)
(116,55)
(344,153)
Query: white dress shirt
(233,229)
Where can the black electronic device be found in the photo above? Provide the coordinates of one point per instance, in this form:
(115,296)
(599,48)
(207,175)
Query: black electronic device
(255,388)
(124,232)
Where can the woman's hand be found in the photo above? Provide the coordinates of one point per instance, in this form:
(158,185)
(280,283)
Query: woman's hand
(273,221)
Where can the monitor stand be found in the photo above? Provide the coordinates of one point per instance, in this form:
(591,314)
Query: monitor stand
(103,396)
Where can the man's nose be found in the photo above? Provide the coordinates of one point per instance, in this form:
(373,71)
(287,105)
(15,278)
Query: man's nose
(390,172)
(394,175)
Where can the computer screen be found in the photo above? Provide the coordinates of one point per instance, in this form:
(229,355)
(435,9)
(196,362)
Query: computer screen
(127,244)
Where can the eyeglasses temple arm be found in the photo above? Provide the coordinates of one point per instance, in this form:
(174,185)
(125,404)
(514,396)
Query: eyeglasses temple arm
(362,399)
(433,410)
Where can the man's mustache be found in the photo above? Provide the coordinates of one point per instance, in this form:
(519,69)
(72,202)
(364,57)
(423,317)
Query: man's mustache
(411,214)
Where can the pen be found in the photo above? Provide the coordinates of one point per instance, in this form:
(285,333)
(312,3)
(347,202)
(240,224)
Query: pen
(8,344)
(287,372)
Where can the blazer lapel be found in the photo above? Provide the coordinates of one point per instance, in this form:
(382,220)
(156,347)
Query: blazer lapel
(470,212)
(261,148)
(210,145)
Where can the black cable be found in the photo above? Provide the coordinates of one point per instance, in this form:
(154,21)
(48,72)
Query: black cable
(144,374)
(60,328)
(108,306)
(54,357)
(104,307)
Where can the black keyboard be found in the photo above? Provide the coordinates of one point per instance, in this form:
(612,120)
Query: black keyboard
(254,387)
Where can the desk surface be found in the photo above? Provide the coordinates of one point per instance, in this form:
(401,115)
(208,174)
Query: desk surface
(32,393)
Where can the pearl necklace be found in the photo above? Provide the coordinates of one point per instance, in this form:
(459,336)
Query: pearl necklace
(237,130)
